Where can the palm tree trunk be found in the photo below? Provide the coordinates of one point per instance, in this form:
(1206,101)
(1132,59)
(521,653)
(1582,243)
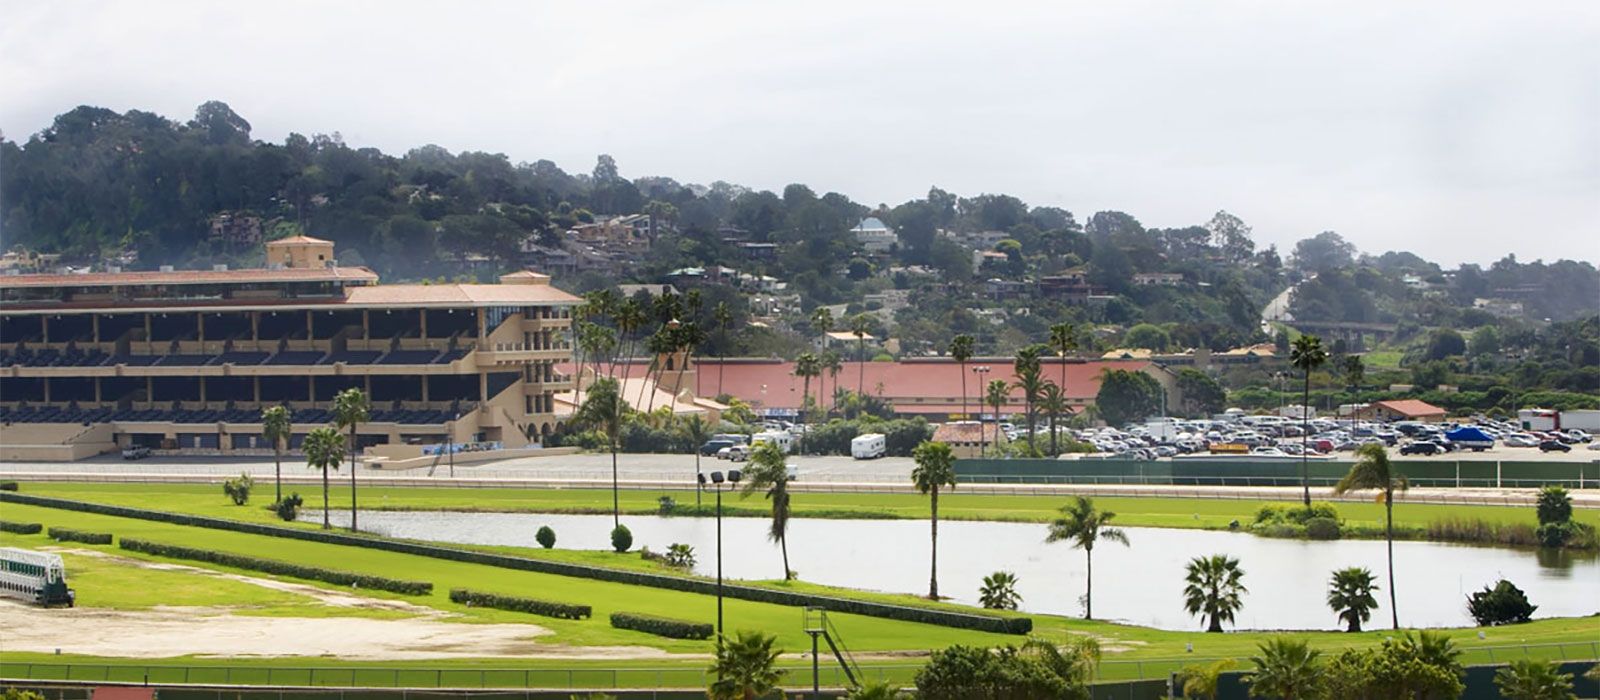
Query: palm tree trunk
(325,524)
(352,477)
(1054,447)
(861,367)
(277,471)
(1305,422)
(616,503)
(1388,534)
(933,569)
(783,546)
(1088,584)
(963,371)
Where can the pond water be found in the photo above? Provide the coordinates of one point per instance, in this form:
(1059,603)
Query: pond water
(1140,584)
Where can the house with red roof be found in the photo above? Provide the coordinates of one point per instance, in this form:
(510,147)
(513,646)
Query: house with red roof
(1405,409)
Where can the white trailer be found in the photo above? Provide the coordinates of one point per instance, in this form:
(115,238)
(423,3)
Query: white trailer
(781,438)
(1587,421)
(868,446)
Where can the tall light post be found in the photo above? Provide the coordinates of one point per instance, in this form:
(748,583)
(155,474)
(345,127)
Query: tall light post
(978,372)
(717,480)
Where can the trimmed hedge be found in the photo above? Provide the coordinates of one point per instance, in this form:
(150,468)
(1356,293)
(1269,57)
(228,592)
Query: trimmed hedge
(20,528)
(62,534)
(946,618)
(8,485)
(661,626)
(280,568)
(566,611)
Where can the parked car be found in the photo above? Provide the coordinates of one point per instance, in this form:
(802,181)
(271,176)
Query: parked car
(724,452)
(738,453)
(1520,440)
(713,446)
(135,452)
(1421,448)
(1554,446)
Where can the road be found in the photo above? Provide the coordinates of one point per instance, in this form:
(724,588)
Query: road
(1277,310)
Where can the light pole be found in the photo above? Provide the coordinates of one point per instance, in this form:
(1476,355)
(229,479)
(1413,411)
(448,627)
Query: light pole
(717,480)
(979,371)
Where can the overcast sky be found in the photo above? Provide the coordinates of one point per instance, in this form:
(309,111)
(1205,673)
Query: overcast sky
(1460,130)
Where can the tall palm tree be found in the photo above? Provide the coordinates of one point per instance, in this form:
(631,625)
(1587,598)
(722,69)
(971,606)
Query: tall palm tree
(822,323)
(689,337)
(1082,525)
(1350,595)
(629,317)
(1214,589)
(604,408)
(936,468)
(1027,368)
(768,471)
(1306,355)
(830,362)
(997,395)
(859,325)
(746,667)
(350,409)
(699,432)
(1374,471)
(324,449)
(806,366)
(1053,401)
(276,426)
(961,351)
(723,316)
(1286,668)
(1063,340)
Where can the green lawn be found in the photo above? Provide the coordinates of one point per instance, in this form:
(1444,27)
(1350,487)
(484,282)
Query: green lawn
(203,499)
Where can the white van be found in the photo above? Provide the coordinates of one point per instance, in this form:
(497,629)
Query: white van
(868,446)
(782,439)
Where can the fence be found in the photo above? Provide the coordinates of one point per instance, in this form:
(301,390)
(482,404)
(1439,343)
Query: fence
(1245,472)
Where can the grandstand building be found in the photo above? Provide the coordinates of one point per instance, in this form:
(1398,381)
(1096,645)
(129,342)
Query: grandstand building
(187,360)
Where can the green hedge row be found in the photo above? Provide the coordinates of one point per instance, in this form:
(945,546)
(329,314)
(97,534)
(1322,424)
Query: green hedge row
(973,621)
(280,568)
(62,534)
(8,485)
(20,528)
(661,626)
(546,608)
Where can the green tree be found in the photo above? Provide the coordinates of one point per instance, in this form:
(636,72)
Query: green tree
(350,409)
(1554,505)
(1054,403)
(1126,396)
(1485,342)
(276,427)
(961,348)
(324,449)
(1355,372)
(859,325)
(1374,471)
(1526,679)
(604,409)
(1083,525)
(996,396)
(999,591)
(1029,380)
(1285,668)
(1063,340)
(1350,595)
(806,366)
(1202,395)
(1444,343)
(936,468)
(1214,589)
(1306,355)
(1149,337)
(746,667)
(960,672)
(768,471)
(724,317)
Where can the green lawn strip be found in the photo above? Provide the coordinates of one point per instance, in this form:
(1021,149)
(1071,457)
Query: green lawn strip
(200,499)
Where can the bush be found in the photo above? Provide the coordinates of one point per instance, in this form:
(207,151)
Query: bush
(1273,513)
(947,618)
(8,485)
(1502,604)
(621,538)
(279,568)
(20,528)
(665,505)
(62,534)
(1554,505)
(239,489)
(565,611)
(1322,529)
(661,626)
(545,536)
(680,556)
(289,508)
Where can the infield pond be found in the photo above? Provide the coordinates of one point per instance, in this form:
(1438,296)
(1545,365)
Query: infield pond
(1140,584)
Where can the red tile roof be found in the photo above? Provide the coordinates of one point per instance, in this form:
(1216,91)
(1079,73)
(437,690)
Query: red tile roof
(1411,408)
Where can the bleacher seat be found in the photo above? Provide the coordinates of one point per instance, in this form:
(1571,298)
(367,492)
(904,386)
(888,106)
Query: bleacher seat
(408,357)
(295,357)
(238,357)
(184,360)
(449,356)
(352,357)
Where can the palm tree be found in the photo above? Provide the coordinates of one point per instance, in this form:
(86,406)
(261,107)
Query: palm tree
(1083,526)
(768,471)
(830,362)
(806,366)
(822,323)
(999,392)
(276,426)
(746,667)
(350,408)
(1355,371)
(961,351)
(1074,662)
(999,591)
(1350,595)
(1306,355)
(723,316)
(936,468)
(630,317)
(1031,383)
(859,324)
(689,337)
(324,449)
(1526,679)
(1374,471)
(1214,589)
(1053,401)
(876,690)
(604,408)
(1287,668)
(698,433)
(1063,339)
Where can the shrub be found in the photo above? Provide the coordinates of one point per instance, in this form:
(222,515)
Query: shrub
(8,485)
(565,611)
(1502,604)
(62,534)
(239,489)
(289,508)
(1554,505)
(545,536)
(1273,513)
(665,505)
(280,568)
(680,556)
(621,538)
(20,528)
(1322,529)
(959,672)
(661,626)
